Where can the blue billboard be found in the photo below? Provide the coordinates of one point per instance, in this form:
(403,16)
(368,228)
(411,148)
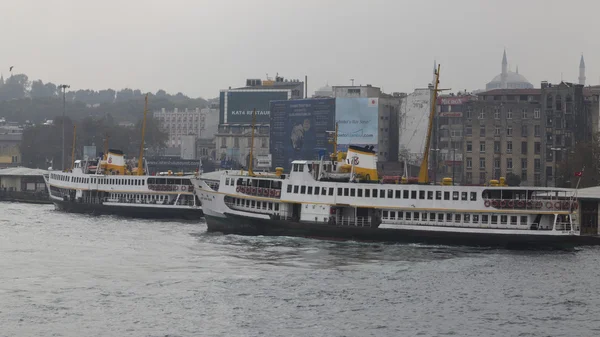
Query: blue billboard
(237,105)
(299,130)
(358,121)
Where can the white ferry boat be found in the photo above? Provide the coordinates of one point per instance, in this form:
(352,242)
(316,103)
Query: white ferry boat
(108,188)
(344,199)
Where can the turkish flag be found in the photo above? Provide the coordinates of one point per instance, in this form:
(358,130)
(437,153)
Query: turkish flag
(579,174)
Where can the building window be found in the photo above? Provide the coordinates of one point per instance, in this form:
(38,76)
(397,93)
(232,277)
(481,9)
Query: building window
(509,114)
(469,131)
(223,142)
(508,147)
(497,131)
(496,112)
(509,132)
(481,114)
(523,163)
(509,164)
(537,164)
(537,179)
(469,146)
(523,130)
(469,178)
(536,131)
(496,163)
(524,113)
(482,163)
(496,147)
(469,162)
(537,148)
(482,178)
(482,132)
(536,113)
(524,175)
(482,146)
(236,142)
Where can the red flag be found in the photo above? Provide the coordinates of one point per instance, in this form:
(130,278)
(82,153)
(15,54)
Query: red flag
(579,174)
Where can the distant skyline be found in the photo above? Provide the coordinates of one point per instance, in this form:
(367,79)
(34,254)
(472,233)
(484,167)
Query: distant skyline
(199,47)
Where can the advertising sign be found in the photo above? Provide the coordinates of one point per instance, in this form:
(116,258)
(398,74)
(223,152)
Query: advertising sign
(299,129)
(453,100)
(237,105)
(357,120)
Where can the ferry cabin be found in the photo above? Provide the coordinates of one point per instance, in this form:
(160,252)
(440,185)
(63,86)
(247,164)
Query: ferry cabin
(302,197)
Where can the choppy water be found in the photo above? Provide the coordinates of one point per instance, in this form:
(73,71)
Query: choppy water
(73,275)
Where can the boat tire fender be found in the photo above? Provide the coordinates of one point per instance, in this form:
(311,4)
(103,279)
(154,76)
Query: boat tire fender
(548,204)
(487,203)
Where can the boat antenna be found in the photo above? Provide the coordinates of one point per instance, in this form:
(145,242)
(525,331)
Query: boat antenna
(250,172)
(140,168)
(424,170)
(73,148)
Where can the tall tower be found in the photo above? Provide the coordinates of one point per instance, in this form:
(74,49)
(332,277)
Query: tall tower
(504,75)
(582,71)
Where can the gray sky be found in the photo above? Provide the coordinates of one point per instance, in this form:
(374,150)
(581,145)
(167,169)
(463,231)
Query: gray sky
(198,47)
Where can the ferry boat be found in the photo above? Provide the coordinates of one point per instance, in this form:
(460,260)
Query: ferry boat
(344,198)
(106,185)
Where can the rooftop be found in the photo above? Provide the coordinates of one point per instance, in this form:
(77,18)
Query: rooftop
(511,92)
(21,171)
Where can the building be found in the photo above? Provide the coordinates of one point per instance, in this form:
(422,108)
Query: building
(178,123)
(209,121)
(508,79)
(10,140)
(414,112)
(22,179)
(233,138)
(323,92)
(368,117)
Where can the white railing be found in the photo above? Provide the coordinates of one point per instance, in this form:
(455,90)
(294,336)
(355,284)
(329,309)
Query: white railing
(353,221)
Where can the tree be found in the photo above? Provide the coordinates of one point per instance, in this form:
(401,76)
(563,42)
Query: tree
(15,87)
(513,179)
(585,155)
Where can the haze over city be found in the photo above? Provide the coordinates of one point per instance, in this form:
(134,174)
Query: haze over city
(199,47)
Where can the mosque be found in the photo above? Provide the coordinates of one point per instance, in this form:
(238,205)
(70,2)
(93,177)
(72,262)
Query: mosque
(513,80)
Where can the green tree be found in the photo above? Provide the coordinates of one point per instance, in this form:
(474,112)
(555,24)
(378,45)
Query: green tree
(585,156)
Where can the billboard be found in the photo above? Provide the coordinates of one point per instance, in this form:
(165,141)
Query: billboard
(460,100)
(358,121)
(299,130)
(237,105)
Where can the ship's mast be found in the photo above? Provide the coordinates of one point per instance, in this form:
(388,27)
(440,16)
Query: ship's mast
(250,172)
(424,171)
(140,167)
(73,148)
(106,136)
(333,140)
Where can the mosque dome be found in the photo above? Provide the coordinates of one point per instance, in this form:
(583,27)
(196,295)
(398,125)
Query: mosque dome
(508,79)
(326,91)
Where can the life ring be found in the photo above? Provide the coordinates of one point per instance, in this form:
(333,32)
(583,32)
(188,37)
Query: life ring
(266,192)
(511,204)
(238,189)
(575,205)
(520,204)
(548,205)
(538,204)
(277,193)
(565,205)
(487,203)
(530,204)
(557,205)
(494,203)
(253,190)
(272,193)
(503,203)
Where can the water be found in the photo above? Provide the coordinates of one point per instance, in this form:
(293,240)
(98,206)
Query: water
(73,275)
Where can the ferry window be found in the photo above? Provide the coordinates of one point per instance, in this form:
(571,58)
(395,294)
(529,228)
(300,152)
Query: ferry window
(423,216)
(385,214)
(400,215)
(457,218)
(463,196)
(438,195)
(247,203)
(503,219)
(289,188)
(440,217)
(144,182)
(431,216)
(339,191)
(467,218)
(302,189)
(449,217)
(513,219)
(324,191)
(226,181)
(407,215)
(331,191)
(413,194)
(258,204)
(382,193)
(494,219)
(523,219)
(270,206)
(316,190)
(309,190)
(416,216)
(446,195)
(390,194)
(367,193)
(346,191)
(276,207)
(475,218)
(374,193)
(393,215)
(253,203)
(296,189)
(295,168)
(473,196)
(405,194)
(264,205)
(352,192)
(359,190)
(430,195)
(398,194)
(454,195)
(421,194)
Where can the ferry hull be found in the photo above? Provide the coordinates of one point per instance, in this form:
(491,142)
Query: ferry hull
(130,211)
(234,224)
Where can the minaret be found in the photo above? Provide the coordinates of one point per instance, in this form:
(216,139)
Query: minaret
(504,75)
(581,71)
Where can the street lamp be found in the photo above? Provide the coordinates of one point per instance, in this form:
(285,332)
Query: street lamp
(64,88)
(555,160)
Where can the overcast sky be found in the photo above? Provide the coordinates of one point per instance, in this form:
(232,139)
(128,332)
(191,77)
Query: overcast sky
(198,46)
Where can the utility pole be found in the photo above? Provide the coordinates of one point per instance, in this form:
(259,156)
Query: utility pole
(64,88)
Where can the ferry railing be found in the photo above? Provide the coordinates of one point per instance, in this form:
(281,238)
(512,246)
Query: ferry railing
(536,204)
(354,221)
(259,191)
